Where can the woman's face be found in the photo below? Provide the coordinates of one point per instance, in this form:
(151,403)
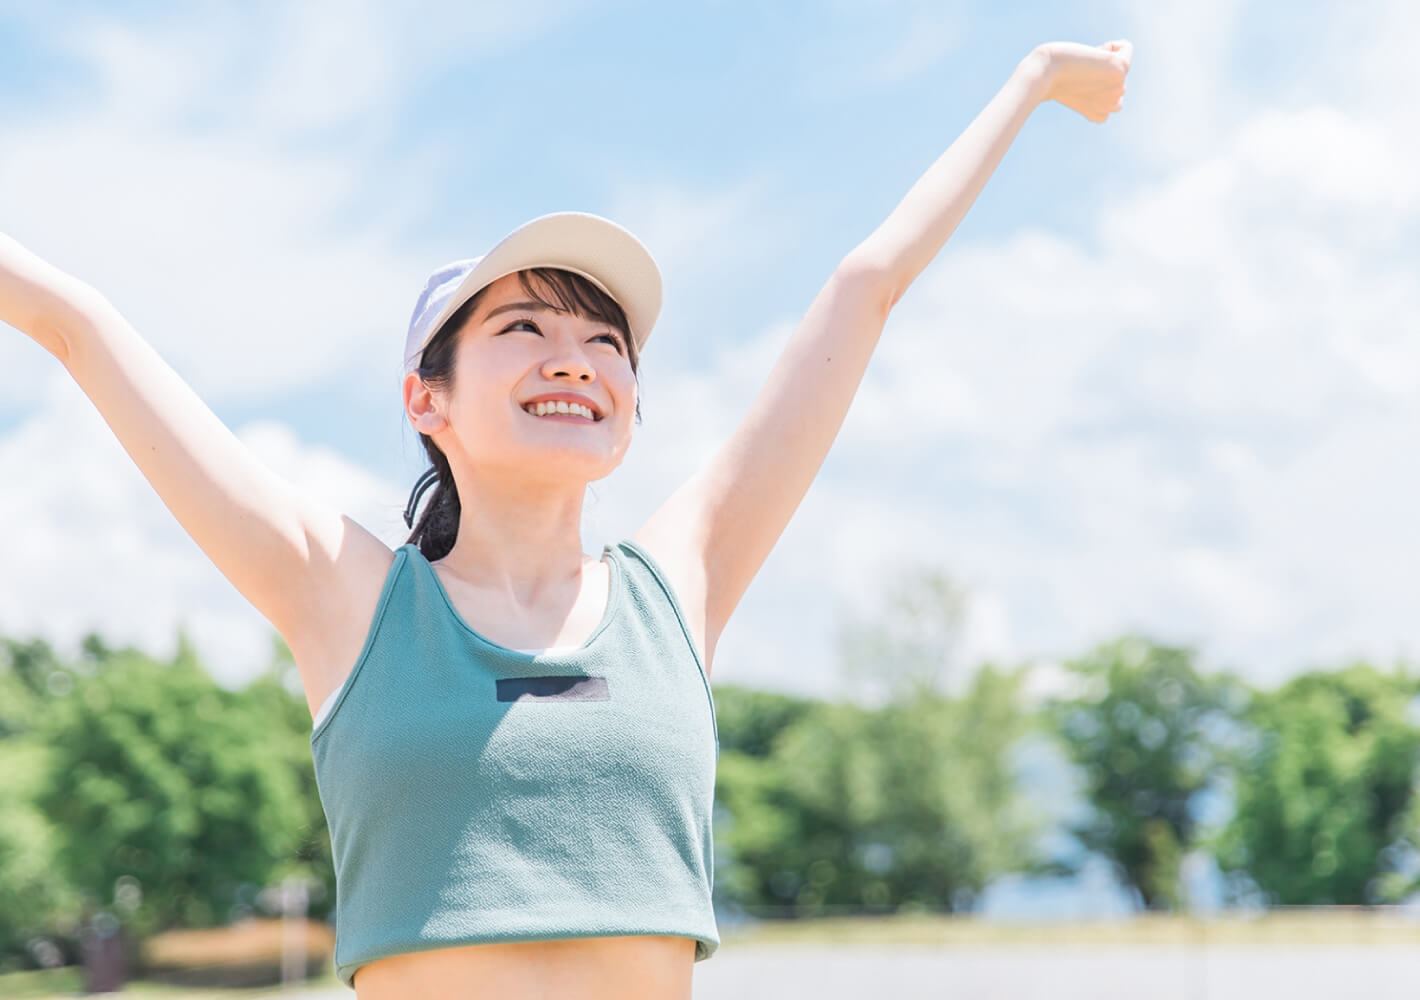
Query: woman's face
(514,352)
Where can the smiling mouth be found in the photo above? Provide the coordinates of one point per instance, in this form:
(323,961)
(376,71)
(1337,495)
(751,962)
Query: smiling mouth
(564,412)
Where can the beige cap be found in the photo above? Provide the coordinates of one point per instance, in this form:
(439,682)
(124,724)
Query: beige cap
(596,248)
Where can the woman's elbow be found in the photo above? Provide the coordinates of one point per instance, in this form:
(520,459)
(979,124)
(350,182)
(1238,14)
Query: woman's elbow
(863,277)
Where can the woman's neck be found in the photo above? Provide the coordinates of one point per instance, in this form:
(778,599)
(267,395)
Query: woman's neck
(518,539)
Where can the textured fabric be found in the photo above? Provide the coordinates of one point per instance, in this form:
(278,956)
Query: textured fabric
(324,709)
(478,794)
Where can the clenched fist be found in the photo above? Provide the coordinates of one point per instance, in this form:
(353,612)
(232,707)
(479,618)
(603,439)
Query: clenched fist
(1089,79)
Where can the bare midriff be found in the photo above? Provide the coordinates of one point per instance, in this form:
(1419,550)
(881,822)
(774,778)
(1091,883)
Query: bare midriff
(653,967)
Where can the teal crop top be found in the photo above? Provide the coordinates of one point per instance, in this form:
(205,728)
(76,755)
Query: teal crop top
(477,794)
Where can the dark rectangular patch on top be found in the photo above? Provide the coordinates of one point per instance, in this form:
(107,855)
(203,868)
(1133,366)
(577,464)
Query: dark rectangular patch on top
(553,689)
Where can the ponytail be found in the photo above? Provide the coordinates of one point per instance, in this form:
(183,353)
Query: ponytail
(438,526)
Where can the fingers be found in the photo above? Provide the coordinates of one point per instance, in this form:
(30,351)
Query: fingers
(1123,47)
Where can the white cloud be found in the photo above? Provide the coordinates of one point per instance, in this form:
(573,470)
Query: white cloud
(213,252)
(331,62)
(1233,593)
(1181,94)
(367,499)
(1354,163)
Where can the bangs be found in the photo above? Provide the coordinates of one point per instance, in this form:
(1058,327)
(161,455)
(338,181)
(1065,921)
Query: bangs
(567,291)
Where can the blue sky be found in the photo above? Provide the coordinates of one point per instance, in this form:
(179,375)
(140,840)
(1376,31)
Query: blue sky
(1163,377)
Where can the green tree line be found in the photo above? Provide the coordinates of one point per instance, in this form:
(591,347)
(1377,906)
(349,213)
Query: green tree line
(143,788)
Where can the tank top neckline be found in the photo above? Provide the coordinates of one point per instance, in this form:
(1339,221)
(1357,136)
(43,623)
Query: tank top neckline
(613,603)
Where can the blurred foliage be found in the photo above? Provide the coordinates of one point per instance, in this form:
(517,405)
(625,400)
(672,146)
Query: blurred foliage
(748,719)
(25,672)
(913,803)
(1326,810)
(34,893)
(144,788)
(1148,733)
(845,807)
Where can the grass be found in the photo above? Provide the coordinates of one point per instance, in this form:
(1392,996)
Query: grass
(42,983)
(50,984)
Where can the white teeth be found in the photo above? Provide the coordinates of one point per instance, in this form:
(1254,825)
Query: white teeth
(560,406)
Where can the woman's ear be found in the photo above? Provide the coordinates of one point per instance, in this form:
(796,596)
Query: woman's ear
(421,406)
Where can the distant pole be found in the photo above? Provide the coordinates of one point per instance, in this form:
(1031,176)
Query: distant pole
(102,948)
(294,900)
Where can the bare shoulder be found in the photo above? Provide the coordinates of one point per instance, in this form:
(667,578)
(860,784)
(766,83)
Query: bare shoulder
(346,573)
(680,560)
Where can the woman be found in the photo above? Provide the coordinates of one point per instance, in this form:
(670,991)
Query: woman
(514,741)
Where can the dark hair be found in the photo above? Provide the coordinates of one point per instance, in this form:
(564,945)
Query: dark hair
(565,291)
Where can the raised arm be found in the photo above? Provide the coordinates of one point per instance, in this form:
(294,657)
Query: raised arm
(293,557)
(716,530)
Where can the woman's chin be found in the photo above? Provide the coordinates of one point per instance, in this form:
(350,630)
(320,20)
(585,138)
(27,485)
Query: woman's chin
(571,464)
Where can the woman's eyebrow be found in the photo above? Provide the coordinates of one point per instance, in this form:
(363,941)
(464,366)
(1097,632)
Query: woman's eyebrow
(511,306)
(531,307)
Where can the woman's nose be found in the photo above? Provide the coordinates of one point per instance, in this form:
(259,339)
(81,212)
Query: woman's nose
(568,365)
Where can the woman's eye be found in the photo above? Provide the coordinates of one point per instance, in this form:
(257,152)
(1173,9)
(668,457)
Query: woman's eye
(611,338)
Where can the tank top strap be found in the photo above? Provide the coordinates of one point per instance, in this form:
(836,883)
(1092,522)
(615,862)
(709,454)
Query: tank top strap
(655,600)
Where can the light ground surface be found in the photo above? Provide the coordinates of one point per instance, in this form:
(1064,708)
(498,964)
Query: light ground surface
(910,972)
